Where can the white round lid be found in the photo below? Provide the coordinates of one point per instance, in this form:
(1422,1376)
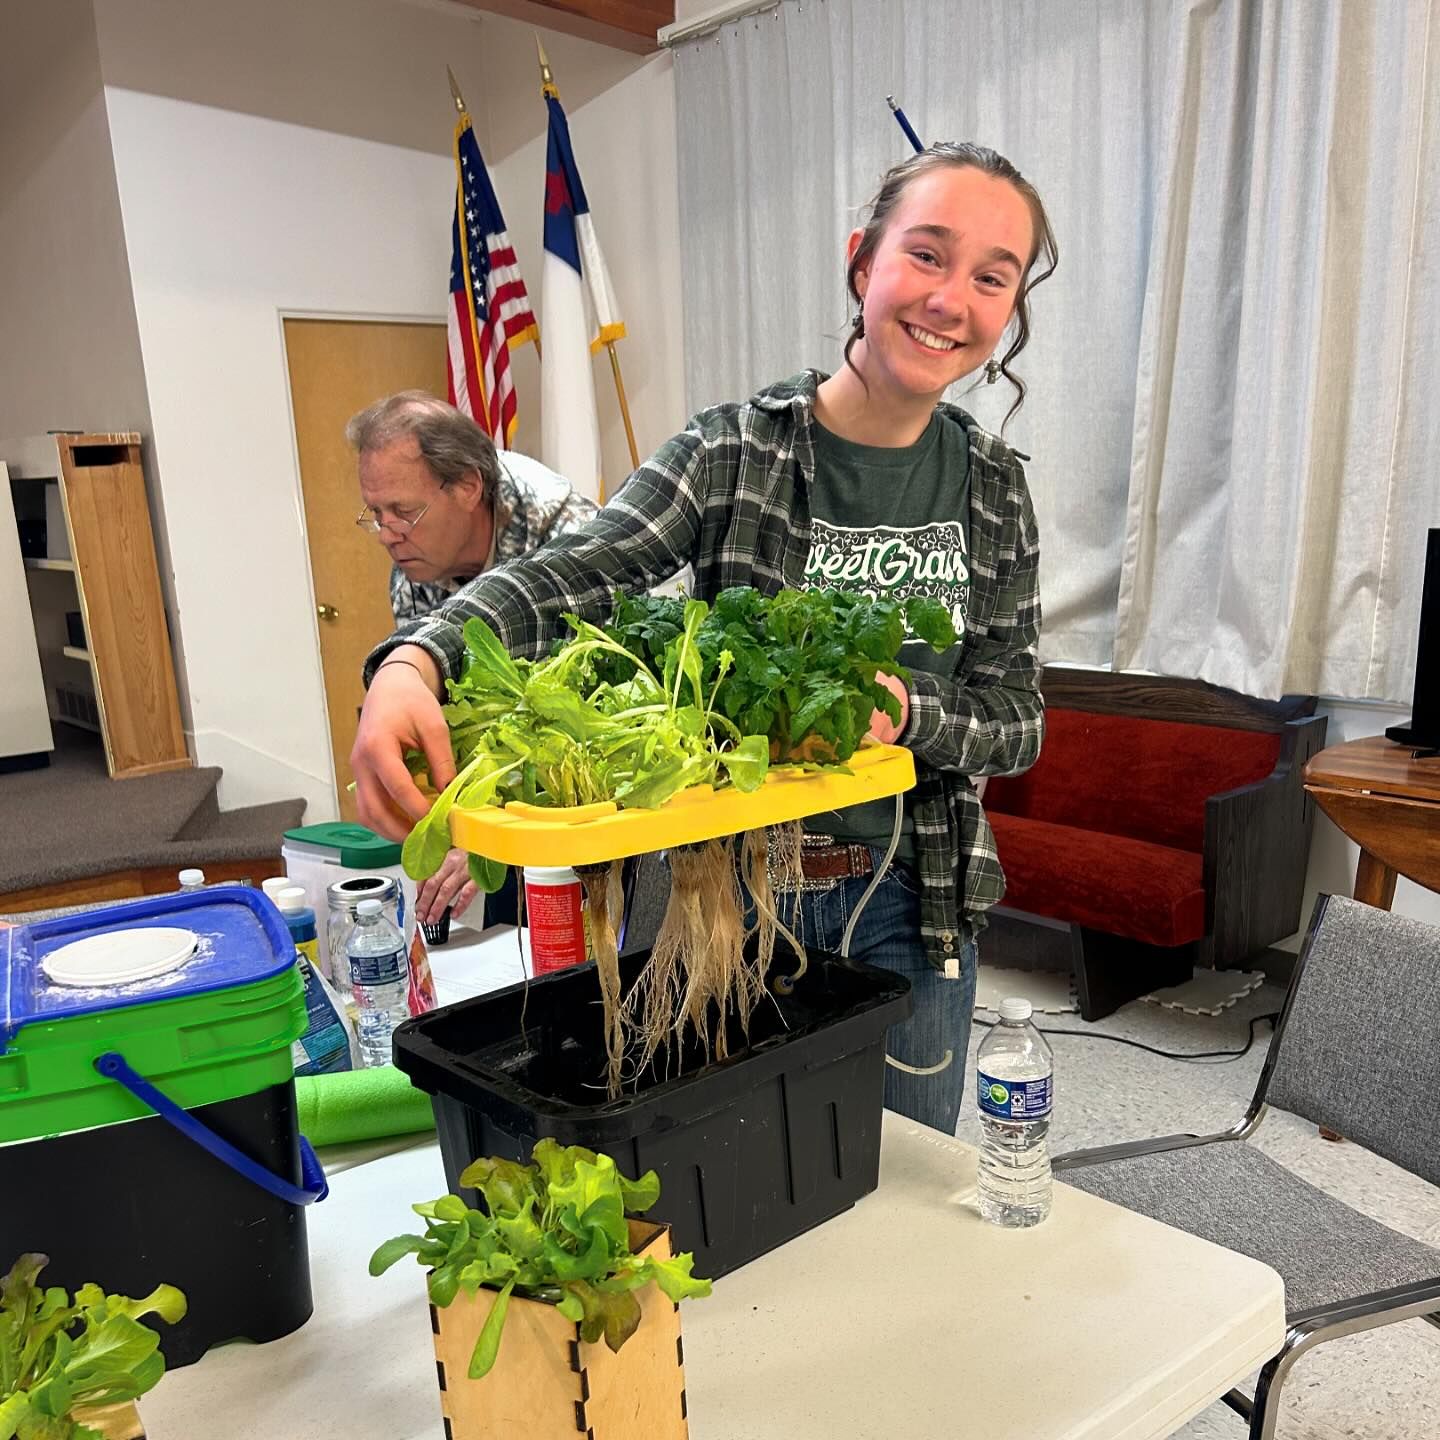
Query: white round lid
(1017,1007)
(119,957)
(290,899)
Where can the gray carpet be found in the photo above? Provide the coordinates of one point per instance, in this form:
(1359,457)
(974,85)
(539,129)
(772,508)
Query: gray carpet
(70,821)
(1384,1385)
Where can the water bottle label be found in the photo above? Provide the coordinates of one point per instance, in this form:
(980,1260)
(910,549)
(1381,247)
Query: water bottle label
(379,969)
(1014,1099)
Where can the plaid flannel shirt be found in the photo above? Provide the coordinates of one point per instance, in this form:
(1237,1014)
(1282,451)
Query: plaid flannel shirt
(730,497)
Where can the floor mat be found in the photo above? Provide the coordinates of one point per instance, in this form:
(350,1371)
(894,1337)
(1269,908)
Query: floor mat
(1207,992)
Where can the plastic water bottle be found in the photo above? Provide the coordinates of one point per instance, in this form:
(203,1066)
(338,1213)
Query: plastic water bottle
(1015,1089)
(191,880)
(379,977)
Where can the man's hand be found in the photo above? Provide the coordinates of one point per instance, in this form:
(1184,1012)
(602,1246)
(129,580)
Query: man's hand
(882,727)
(450,885)
(401,713)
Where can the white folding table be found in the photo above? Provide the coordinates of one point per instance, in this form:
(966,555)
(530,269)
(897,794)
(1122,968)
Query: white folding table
(906,1316)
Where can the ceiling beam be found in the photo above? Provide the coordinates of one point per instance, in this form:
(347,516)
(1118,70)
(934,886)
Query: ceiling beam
(622,24)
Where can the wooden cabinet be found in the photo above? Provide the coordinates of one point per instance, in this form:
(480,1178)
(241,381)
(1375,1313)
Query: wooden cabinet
(86,494)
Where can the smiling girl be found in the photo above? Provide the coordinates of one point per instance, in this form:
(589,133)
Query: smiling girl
(865,480)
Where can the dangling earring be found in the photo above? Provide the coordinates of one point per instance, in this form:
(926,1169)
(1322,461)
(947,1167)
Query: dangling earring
(992,370)
(859,326)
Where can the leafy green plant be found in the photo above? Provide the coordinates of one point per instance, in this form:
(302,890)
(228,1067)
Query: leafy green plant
(802,664)
(57,1354)
(553,1230)
(550,733)
(673,693)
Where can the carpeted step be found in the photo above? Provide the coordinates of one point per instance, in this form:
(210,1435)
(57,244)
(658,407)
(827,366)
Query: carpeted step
(253,830)
(62,824)
(70,821)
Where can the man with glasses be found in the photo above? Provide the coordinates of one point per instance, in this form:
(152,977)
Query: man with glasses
(447,506)
(444,503)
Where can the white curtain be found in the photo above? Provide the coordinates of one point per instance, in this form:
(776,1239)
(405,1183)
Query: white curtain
(1231,462)
(1286,454)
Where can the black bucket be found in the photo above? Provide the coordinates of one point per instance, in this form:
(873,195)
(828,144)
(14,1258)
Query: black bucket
(128,1205)
(751,1151)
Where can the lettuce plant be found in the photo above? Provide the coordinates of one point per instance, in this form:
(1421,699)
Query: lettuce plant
(57,1354)
(554,1231)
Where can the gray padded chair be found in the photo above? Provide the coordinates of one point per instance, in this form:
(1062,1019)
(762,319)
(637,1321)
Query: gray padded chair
(1356,1049)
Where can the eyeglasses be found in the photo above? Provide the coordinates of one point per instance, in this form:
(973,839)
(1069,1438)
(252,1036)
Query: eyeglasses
(374,521)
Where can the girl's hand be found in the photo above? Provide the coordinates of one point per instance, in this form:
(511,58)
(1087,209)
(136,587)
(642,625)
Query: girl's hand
(400,713)
(882,727)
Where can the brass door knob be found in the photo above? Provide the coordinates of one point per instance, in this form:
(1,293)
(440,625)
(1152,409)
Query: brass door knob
(327,612)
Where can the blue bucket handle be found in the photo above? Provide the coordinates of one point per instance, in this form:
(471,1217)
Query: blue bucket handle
(316,1187)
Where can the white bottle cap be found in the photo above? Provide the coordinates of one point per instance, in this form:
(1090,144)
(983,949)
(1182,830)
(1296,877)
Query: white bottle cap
(550,875)
(369,907)
(290,899)
(275,884)
(191,877)
(1017,1008)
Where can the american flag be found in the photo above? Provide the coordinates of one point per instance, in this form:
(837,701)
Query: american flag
(489,308)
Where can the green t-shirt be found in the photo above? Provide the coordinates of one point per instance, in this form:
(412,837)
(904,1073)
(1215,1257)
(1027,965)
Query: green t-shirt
(892,523)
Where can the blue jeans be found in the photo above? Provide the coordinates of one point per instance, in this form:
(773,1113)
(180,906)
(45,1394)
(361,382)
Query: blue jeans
(936,1037)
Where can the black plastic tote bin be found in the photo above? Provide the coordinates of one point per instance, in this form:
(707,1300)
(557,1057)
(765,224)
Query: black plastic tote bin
(751,1151)
(131,1205)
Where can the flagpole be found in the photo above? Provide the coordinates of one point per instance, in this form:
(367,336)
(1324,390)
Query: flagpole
(548,89)
(624,409)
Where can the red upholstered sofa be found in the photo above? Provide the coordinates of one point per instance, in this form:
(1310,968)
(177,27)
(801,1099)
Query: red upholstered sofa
(1165,825)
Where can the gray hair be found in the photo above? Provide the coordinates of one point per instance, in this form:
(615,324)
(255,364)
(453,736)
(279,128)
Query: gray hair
(451,444)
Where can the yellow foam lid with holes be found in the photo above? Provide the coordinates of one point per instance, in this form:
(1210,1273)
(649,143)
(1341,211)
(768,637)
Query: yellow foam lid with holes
(521,834)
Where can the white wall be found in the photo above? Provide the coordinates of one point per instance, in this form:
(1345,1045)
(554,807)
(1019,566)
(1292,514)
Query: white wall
(71,354)
(230,220)
(69,344)
(234,215)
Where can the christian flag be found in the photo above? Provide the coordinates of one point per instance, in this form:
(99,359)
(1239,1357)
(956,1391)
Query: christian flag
(574,267)
(489,309)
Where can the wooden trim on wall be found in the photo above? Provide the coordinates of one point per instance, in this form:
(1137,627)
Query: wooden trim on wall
(630,25)
(132,884)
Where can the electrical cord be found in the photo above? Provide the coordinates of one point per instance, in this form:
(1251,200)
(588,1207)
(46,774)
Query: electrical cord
(1222,1055)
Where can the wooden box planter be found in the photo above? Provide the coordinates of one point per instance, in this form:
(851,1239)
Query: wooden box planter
(548,1384)
(114,1422)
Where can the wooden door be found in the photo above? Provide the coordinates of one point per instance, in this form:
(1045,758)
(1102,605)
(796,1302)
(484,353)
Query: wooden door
(336,368)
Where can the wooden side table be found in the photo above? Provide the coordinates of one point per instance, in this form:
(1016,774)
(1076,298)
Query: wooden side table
(1388,803)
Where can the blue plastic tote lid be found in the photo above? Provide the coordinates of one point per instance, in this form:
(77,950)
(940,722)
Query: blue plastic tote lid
(240,938)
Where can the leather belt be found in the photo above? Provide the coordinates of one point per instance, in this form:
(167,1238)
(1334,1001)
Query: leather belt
(825,862)
(823,858)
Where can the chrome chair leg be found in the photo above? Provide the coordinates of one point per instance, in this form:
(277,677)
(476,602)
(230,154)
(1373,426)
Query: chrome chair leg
(1265,1409)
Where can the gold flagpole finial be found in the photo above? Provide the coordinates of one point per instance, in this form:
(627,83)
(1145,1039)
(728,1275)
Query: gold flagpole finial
(547,79)
(455,91)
